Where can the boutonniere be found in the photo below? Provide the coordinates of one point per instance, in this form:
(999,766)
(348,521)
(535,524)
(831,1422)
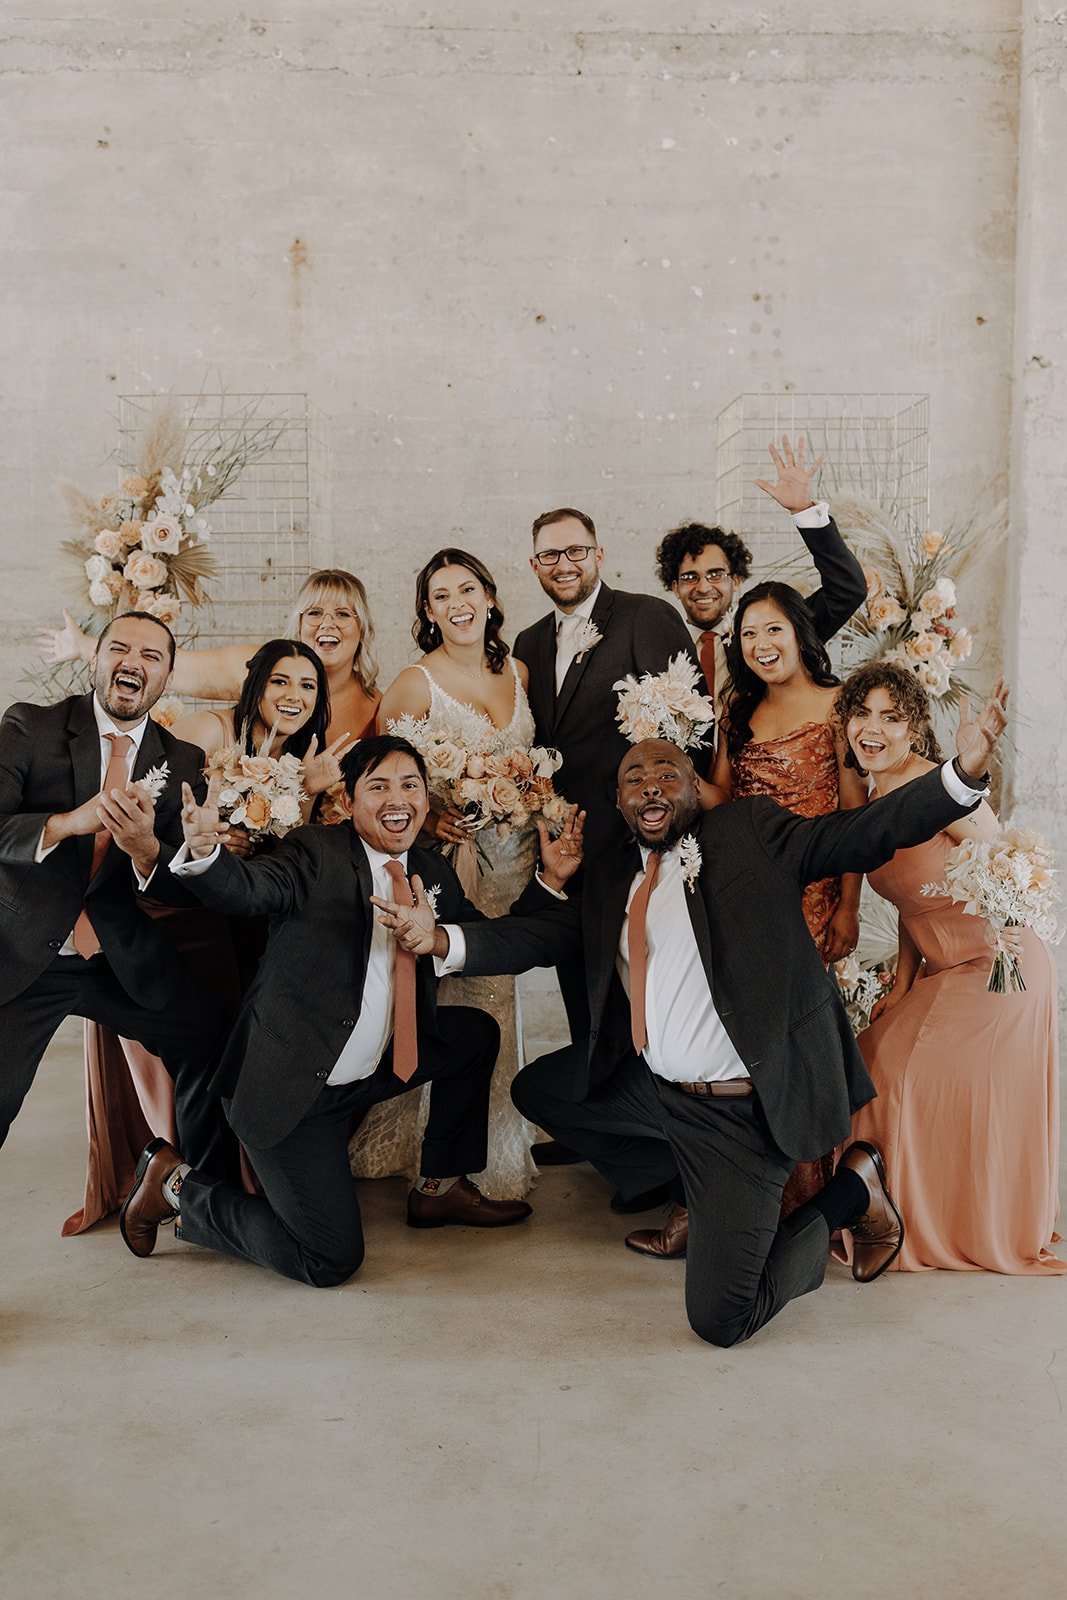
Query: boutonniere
(691,862)
(432,894)
(586,637)
(154,781)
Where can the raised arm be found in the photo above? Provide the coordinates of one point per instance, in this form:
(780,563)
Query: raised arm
(844,588)
(214,674)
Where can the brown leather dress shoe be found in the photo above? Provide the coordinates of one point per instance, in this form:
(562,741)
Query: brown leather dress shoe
(878,1235)
(145,1208)
(671,1240)
(463,1206)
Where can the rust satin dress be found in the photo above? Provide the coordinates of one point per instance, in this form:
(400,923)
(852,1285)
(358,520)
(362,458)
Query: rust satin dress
(798,771)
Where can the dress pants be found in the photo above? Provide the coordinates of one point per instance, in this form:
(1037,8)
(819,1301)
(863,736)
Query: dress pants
(742,1267)
(185,1033)
(306,1224)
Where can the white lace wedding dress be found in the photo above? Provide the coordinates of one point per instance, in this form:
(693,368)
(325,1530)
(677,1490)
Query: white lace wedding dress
(388,1141)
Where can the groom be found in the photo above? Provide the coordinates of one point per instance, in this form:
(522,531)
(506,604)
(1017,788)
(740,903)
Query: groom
(335,1022)
(719,1046)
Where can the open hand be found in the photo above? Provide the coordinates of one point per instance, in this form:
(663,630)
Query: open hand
(68,643)
(129,815)
(793,489)
(413,927)
(201,825)
(322,770)
(977,737)
(561,857)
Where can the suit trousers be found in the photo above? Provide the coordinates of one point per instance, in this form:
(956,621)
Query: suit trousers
(306,1224)
(185,1033)
(742,1266)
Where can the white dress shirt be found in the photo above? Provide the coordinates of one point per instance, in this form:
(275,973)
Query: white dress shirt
(565,629)
(105,727)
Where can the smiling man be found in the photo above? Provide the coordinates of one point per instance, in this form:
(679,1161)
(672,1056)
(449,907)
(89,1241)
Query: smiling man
(78,837)
(335,1022)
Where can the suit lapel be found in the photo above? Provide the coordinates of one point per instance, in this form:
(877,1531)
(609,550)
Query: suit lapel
(361,868)
(613,898)
(85,761)
(149,753)
(698,916)
(605,602)
(542,690)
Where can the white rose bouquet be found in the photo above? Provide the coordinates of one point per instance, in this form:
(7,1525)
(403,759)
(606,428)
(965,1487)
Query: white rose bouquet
(665,705)
(1010,881)
(259,793)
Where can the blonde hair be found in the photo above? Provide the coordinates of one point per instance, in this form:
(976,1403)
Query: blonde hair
(334,583)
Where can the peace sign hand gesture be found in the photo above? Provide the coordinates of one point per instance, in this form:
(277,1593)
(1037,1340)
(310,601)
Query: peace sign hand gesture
(201,825)
(321,771)
(793,489)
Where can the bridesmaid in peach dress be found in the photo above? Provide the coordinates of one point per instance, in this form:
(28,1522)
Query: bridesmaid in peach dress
(780,741)
(967,1114)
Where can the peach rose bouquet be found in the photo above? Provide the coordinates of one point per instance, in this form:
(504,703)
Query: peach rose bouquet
(665,705)
(260,793)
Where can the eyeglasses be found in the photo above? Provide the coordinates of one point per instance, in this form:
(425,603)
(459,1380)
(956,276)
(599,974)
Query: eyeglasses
(689,580)
(573,552)
(318,613)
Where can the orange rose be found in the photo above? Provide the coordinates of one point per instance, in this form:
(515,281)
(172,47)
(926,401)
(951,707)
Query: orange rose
(257,811)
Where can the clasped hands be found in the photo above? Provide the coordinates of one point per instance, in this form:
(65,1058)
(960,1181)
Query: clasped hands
(415,927)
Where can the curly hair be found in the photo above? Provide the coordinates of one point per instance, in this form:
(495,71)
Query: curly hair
(909,698)
(335,585)
(747,688)
(257,676)
(424,630)
(686,543)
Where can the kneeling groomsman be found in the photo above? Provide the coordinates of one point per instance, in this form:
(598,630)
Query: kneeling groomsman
(337,1020)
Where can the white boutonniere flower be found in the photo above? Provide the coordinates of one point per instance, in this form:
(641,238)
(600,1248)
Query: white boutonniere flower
(586,637)
(692,861)
(432,895)
(154,781)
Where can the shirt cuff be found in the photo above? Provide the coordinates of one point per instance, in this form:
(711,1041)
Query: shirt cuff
(41,854)
(456,958)
(183,865)
(957,790)
(142,883)
(816,516)
(557,894)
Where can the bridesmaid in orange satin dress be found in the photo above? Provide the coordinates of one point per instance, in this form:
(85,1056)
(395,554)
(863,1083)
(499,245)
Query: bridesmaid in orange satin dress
(780,741)
(967,1114)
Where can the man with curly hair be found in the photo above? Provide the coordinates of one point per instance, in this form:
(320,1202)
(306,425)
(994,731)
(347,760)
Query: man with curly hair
(704,567)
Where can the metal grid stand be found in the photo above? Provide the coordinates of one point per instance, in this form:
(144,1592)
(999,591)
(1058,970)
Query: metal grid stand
(272,528)
(876,445)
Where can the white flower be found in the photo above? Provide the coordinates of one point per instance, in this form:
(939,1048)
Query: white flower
(100,594)
(665,705)
(97,568)
(155,781)
(163,534)
(287,810)
(692,860)
(432,896)
(585,637)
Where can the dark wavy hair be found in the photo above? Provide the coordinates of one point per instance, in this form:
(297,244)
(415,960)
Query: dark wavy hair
(427,634)
(908,697)
(257,676)
(686,543)
(747,689)
(367,755)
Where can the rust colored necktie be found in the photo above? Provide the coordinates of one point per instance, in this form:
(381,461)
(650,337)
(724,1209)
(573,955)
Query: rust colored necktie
(637,951)
(84,936)
(707,659)
(405,1037)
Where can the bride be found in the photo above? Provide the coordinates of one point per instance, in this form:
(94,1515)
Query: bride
(469,684)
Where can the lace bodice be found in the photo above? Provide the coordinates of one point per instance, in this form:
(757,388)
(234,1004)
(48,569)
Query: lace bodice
(477,731)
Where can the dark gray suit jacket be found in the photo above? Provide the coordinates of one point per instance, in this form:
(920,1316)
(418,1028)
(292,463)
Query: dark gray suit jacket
(844,588)
(639,633)
(50,762)
(305,1000)
(780,1007)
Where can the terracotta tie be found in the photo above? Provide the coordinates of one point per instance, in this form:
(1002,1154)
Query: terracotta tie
(405,1037)
(84,936)
(707,659)
(637,951)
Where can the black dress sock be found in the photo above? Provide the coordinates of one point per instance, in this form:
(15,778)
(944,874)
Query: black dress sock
(843,1200)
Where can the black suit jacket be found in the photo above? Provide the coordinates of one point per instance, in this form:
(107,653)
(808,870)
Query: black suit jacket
(50,762)
(780,1007)
(305,1000)
(639,633)
(844,588)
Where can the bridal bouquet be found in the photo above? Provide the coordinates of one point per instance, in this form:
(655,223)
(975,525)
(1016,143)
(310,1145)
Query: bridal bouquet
(505,787)
(259,793)
(1010,881)
(665,705)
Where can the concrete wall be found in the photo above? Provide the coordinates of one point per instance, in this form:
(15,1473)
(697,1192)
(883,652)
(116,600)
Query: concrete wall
(523,258)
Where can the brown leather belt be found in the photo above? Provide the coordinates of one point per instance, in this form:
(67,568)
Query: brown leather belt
(728,1088)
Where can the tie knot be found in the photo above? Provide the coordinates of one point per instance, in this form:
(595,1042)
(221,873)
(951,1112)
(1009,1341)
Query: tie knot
(707,636)
(401,888)
(120,743)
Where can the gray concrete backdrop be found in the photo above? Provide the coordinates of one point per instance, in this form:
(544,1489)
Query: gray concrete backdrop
(522,258)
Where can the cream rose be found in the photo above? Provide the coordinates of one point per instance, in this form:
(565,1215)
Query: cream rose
(100,594)
(145,570)
(934,676)
(109,543)
(445,760)
(131,532)
(135,486)
(503,795)
(97,568)
(163,534)
(885,612)
(923,647)
(167,607)
(932,543)
(259,768)
(875,582)
(960,644)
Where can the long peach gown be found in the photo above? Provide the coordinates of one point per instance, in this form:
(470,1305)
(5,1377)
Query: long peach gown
(799,771)
(967,1114)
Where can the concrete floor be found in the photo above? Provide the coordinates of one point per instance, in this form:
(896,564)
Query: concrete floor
(520,1416)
